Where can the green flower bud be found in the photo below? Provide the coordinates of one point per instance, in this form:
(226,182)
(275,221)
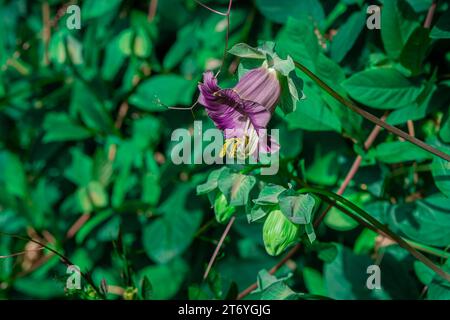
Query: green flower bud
(279,233)
(221,208)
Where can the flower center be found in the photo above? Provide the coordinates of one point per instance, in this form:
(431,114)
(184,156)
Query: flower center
(242,146)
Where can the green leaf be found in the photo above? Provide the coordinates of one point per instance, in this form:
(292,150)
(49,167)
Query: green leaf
(420,5)
(183,45)
(259,211)
(297,39)
(92,223)
(280,10)
(442,28)
(337,220)
(347,35)
(212,182)
(271,288)
(269,195)
(314,281)
(283,66)
(289,92)
(80,169)
(424,273)
(91,110)
(399,151)
(444,133)
(243,50)
(40,288)
(236,187)
(313,114)
(146,131)
(165,279)
(326,252)
(440,169)
(146,288)
(426,220)
(170,235)
(142,45)
(298,208)
(415,49)
(382,88)
(97,194)
(365,243)
(397,24)
(12,174)
(163,91)
(114,59)
(97,8)
(151,189)
(60,127)
(439,289)
(417,110)
(323,169)
(345,277)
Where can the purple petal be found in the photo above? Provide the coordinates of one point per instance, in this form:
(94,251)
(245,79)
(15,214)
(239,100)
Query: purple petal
(222,106)
(260,85)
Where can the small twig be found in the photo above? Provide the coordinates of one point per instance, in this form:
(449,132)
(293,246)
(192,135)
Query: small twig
(63,258)
(152,9)
(77,225)
(219,245)
(123,110)
(211,9)
(430,14)
(20,253)
(46,31)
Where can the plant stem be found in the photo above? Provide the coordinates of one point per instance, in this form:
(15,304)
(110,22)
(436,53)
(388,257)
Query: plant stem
(219,245)
(370,116)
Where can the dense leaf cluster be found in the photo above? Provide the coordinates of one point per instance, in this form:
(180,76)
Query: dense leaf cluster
(85,151)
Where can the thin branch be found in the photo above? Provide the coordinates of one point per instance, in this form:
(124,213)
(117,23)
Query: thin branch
(219,245)
(227,15)
(77,225)
(152,10)
(370,116)
(430,14)
(410,123)
(63,258)
(46,30)
(20,253)
(212,10)
(123,110)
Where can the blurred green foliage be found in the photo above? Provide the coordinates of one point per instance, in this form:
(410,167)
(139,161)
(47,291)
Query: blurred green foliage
(85,148)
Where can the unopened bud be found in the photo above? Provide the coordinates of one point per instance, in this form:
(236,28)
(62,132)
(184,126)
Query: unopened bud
(279,233)
(221,208)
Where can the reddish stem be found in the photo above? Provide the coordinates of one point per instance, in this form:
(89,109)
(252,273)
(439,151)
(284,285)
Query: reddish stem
(219,245)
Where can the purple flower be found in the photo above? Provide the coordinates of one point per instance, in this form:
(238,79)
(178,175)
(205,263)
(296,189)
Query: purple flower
(241,112)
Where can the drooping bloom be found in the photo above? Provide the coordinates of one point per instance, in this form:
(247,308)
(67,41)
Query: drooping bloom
(241,112)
